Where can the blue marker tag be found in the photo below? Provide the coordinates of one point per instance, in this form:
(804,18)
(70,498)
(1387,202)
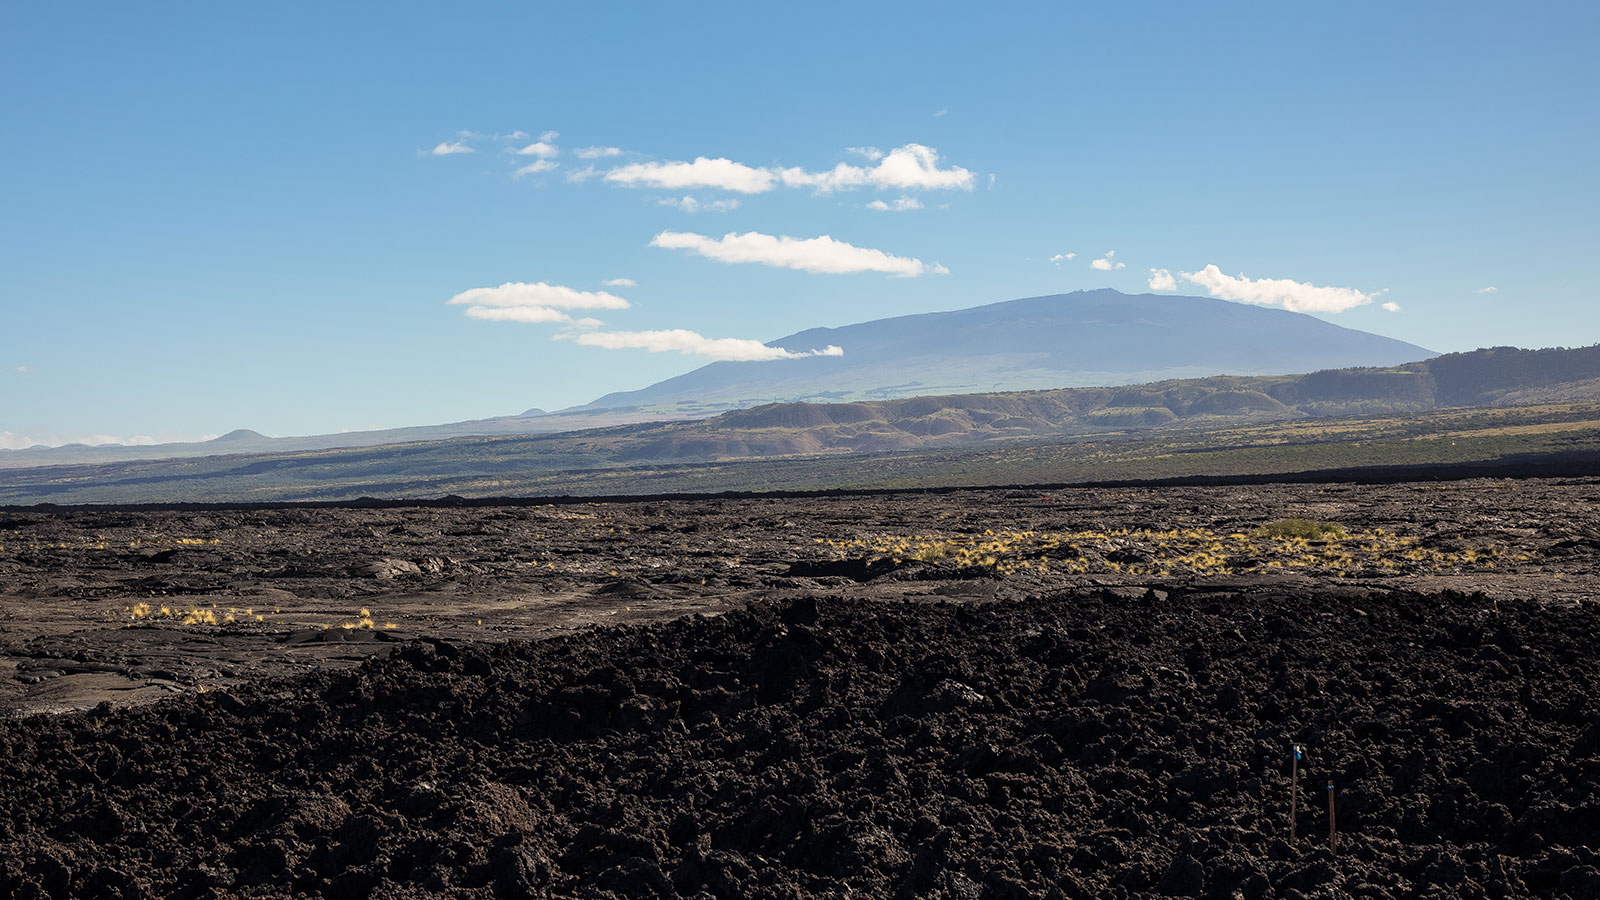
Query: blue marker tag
(1297,752)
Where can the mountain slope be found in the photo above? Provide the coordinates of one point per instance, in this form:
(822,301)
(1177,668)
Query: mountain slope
(1085,338)
(1088,338)
(1211,426)
(244,440)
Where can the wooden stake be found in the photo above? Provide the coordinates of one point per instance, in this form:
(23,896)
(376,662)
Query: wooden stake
(1294,787)
(1333,833)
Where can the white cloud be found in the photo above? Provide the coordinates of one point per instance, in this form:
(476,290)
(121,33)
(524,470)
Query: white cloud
(542,303)
(1486,290)
(535,303)
(689,204)
(872,153)
(539,149)
(597,152)
(1060,258)
(901,205)
(1162,280)
(941,113)
(722,174)
(449,148)
(549,136)
(24,369)
(819,254)
(692,343)
(1392,306)
(578,176)
(1291,295)
(516,293)
(912,167)
(1105,263)
(537,166)
(620,282)
(529,314)
(991,181)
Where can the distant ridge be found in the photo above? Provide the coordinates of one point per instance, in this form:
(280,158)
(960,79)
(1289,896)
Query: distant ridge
(1082,339)
(239,435)
(1517,402)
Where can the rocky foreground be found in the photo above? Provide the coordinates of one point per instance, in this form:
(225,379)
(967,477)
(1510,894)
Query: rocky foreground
(984,693)
(128,606)
(1088,744)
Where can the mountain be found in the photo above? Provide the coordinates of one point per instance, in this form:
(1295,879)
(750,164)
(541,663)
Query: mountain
(1086,338)
(1491,377)
(241,436)
(1519,402)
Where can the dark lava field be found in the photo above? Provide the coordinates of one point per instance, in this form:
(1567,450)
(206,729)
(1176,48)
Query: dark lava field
(1078,693)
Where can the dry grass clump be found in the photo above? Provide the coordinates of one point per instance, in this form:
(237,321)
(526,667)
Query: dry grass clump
(364,620)
(195,615)
(199,616)
(1308,529)
(1287,545)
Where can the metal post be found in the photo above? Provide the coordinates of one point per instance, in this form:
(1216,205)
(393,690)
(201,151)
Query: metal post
(1294,787)
(1333,833)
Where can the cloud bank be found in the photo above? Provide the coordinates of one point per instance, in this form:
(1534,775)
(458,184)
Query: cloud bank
(516,301)
(517,293)
(720,174)
(822,255)
(540,304)
(529,314)
(911,167)
(693,343)
(1281,292)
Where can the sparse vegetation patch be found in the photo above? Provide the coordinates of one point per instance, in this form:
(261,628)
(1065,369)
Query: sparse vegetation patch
(1301,545)
(1309,529)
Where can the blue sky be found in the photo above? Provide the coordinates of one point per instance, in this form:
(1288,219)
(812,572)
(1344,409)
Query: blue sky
(219,216)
